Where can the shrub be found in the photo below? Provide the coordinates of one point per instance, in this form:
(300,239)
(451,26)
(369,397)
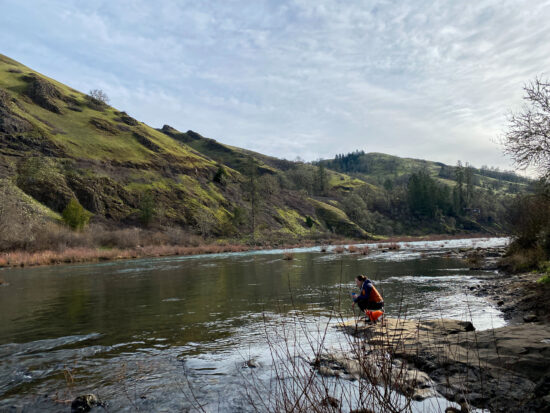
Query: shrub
(365,250)
(75,216)
(147,209)
(219,176)
(97,100)
(288,256)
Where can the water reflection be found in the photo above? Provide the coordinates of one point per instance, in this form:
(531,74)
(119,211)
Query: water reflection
(210,312)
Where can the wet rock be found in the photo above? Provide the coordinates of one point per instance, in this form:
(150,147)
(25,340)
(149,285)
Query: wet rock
(327,372)
(85,403)
(477,399)
(251,364)
(530,318)
(543,387)
(500,302)
(330,401)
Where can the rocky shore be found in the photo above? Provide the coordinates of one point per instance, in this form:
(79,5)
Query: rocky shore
(504,370)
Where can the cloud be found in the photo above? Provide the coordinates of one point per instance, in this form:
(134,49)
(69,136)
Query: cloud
(426,79)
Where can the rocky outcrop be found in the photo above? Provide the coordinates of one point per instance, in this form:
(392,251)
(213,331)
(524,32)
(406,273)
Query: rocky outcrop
(103,196)
(125,118)
(43,93)
(147,142)
(104,126)
(495,369)
(51,191)
(10,123)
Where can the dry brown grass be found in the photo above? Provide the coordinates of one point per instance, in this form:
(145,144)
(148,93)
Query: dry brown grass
(84,254)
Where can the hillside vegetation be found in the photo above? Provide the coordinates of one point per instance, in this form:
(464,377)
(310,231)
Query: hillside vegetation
(61,147)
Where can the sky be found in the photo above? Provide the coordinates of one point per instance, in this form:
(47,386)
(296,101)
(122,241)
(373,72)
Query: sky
(299,78)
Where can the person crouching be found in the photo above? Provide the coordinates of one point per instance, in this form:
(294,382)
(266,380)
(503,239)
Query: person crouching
(369,299)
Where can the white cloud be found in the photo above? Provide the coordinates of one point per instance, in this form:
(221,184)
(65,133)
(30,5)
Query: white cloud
(426,79)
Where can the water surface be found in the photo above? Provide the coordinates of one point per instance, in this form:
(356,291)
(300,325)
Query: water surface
(140,332)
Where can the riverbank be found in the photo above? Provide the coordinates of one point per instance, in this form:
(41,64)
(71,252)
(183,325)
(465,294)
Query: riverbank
(89,255)
(503,369)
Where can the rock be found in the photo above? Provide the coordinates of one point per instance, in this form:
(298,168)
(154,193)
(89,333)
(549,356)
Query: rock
(85,403)
(104,126)
(500,302)
(128,120)
(543,387)
(43,93)
(102,195)
(530,318)
(327,372)
(145,141)
(251,364)
(330,402)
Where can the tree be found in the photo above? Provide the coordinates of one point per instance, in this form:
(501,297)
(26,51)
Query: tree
(99,95)
(219,176)
(527,139)
(205,221)
(251,190)
(75,215)
(147,208)
(459,201)
(321,180)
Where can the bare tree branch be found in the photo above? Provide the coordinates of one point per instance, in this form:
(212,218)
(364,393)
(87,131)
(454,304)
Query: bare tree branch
(527,139)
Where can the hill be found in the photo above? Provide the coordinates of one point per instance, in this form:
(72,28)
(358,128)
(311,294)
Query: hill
(58,144)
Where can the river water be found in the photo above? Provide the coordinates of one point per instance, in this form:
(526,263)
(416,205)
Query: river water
(168,334)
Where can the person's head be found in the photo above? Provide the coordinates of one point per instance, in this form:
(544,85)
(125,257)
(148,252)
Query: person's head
(360,280)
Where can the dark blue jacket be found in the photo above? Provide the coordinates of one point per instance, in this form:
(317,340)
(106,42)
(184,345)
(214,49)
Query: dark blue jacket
(365,292)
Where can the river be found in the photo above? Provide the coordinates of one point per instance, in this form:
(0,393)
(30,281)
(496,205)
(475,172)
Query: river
(168,334)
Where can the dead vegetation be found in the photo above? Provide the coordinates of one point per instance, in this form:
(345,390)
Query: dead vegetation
(288,256)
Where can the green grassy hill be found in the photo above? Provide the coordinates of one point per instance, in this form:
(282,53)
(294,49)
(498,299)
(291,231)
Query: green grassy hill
(58,144)
(379,167)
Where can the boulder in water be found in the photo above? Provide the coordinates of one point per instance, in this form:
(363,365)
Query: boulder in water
(85,403)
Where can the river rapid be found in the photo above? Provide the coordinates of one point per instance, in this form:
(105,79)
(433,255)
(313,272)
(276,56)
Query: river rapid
(173,334)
